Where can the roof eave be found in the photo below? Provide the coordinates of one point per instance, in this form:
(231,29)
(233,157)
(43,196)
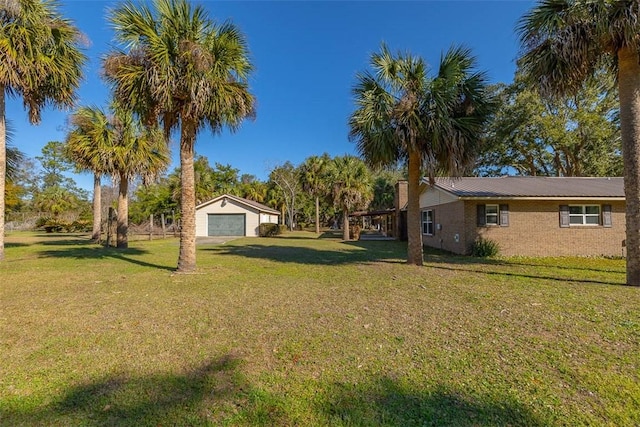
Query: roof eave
(577,198)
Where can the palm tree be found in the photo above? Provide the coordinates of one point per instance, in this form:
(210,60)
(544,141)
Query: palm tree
(352,187)
(40,62)
(186,71)
(567,41)
(89,138)
(121,147)
(137,151)
(13,155)
(432,123)
(313,174)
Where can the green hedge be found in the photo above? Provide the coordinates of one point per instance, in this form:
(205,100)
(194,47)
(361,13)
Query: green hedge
(54,225)
(269,229)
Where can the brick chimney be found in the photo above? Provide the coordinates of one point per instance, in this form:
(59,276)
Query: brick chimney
(400,201)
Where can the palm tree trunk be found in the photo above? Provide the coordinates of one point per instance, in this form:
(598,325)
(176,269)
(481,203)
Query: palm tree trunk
(345,224)
(123,214)
(317,215)
(97,208)
(3,166)
(414,234)
(629,89)
(187,256)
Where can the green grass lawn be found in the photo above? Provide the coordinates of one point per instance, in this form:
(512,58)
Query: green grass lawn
(300,330)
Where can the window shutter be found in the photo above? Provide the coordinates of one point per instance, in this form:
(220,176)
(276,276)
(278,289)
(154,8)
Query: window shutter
(564,216)
(504,215)
(481,215)
(606,216)
(433,222)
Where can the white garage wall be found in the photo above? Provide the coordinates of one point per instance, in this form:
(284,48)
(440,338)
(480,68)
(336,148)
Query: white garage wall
(227,207)
(268,218)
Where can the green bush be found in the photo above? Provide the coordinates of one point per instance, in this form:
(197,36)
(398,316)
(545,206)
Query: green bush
(55,225)
(282,228)
(80,226)
(269,229)
(484,248)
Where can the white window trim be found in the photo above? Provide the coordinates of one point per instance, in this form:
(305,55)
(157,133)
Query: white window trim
(585,215)
(424,221)
(486,216)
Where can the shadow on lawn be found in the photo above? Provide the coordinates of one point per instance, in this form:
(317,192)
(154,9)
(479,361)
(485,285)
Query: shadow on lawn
(353,253)
(501,267)
(528,276)
(217,393)
(16,244)
(202,396)
(99,252)
(386,402)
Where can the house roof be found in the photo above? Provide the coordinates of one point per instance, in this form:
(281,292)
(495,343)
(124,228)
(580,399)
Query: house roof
(533,187)
(251,203)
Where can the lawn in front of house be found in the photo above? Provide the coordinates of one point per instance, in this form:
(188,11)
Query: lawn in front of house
(300,330)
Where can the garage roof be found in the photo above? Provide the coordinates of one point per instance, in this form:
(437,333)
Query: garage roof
(241,200)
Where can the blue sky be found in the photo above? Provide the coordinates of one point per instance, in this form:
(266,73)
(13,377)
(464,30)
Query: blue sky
(306,55)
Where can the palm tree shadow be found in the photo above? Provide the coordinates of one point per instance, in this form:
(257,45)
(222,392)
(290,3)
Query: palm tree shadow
(16,244)
(99,252)
(385,402)
(194,397)
(506,267)
(351,253)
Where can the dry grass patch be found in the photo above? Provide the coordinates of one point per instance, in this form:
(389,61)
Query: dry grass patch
(302,330)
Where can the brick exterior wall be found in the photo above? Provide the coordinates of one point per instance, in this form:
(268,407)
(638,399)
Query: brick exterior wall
(534,230)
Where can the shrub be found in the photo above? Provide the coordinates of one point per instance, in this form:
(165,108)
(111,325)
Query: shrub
(57,225)
(80,226)
(484,248)
(53,225)
(282,228)
(269,229)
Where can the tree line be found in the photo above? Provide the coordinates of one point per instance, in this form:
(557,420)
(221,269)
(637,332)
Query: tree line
(571,110)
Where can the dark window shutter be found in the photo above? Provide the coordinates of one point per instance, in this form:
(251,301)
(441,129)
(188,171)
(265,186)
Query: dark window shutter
(481,215)
(433,222)
(504,215)
(564,216)
(606,216)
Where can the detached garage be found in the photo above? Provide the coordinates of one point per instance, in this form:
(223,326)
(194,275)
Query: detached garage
(232,216)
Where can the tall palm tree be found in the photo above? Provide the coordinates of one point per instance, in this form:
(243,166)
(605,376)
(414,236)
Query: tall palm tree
(137,151)
(567,41)
(40,61)
(13,156)
(352,187)
(186,71)
(432,123)
(86,144)
(121,147)
(314,174)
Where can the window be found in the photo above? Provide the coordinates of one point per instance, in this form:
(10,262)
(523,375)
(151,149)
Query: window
(584,215)
(427,222)
(492,215)
(577,215)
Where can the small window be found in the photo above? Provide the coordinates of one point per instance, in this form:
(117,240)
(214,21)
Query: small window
(491,214)
(427,222)
(584,215)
